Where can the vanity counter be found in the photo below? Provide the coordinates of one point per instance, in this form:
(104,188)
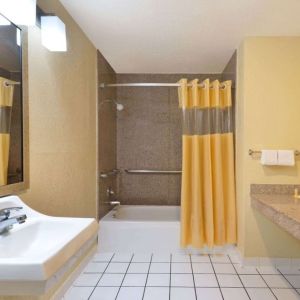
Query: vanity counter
(282,209)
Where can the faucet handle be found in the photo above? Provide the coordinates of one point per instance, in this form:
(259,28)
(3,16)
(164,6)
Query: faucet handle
(110,192)
(5,212)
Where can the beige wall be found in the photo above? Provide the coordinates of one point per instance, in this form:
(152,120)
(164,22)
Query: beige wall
(62,116)
(267,116)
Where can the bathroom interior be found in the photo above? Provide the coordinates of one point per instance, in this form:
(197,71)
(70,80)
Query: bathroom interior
(149,150)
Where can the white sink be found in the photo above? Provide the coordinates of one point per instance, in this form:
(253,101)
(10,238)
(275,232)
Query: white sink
(37,249)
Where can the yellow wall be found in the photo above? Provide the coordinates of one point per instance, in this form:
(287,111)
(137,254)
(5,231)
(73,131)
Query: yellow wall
(62,121)
(267,116)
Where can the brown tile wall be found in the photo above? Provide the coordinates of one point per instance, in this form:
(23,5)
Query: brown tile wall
(106,132)
(149,137)
(229,72)
(4,73)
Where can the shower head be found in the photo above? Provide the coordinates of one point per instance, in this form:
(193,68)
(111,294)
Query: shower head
(119,106)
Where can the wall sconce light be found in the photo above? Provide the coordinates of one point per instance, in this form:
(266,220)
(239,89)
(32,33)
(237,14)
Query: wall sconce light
(20,12)
(53,32)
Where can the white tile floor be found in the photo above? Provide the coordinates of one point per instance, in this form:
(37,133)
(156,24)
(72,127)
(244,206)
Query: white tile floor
(123,276)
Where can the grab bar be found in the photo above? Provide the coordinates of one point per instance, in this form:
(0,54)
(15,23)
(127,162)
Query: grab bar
(162,172)
(109,173)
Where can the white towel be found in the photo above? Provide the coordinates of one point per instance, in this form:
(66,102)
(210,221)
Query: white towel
(286,157)
(269,157)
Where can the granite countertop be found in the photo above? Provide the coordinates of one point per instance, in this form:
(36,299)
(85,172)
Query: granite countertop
(279,206)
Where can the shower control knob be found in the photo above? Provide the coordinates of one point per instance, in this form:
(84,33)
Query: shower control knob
(110,192)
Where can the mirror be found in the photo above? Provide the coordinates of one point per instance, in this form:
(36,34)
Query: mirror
(11,105)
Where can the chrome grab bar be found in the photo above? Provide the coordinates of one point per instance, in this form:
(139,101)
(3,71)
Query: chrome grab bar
(162,172)
(133,171)
(109,173)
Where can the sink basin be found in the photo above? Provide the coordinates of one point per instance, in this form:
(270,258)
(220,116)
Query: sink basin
(37,249)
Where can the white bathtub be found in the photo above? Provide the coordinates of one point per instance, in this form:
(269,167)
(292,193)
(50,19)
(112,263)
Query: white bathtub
(137,228)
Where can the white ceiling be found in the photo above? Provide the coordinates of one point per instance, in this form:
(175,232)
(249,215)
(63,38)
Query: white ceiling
(179,36)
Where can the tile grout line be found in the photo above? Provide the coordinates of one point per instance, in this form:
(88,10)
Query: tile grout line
(193,277)
(101,276)
(239,277)
(178,262)
(185,273)
(288,281)
(124,276)
(216,276)
(178,286)
(266,283)
(147,276)
(170,259)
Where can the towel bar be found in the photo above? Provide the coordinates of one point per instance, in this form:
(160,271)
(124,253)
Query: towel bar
(251,152)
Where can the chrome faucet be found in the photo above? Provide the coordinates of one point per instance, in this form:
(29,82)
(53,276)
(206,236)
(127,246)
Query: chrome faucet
(112,198)
(6,223)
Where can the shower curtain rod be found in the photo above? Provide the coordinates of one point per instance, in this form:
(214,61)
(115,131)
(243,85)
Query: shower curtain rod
(104,85)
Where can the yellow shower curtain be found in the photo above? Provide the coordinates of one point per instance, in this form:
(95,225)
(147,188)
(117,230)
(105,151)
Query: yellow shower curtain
(208,207)
(6,101)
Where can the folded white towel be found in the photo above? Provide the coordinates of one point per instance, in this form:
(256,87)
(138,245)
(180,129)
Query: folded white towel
(269,157)
(286,157)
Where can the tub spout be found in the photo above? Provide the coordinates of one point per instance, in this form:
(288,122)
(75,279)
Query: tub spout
(117,203)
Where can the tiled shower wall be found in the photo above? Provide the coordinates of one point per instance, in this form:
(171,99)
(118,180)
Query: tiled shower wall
(106,132)
(229,72)
(149,137)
